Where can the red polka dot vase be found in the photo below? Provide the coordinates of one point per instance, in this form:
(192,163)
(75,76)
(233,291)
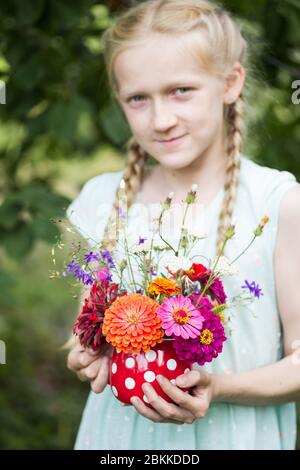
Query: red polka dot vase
(128,372)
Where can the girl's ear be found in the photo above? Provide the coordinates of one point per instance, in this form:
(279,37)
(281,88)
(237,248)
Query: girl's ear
(233,84)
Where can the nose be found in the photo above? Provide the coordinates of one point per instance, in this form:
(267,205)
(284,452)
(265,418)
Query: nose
(163,117)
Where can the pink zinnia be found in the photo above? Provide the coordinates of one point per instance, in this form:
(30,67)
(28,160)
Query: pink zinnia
(180,317)
(205,347)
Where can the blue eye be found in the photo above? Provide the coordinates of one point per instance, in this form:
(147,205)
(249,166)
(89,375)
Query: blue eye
(183,88)
(134,98)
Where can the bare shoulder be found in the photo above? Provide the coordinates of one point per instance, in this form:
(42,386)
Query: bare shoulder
(289,210)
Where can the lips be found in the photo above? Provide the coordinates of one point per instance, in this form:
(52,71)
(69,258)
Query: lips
(174,138)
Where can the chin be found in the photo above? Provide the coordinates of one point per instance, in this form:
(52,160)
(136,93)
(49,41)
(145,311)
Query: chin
(175,162)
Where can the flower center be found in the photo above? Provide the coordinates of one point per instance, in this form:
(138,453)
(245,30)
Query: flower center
(133,318)
(206,337)
(181,315)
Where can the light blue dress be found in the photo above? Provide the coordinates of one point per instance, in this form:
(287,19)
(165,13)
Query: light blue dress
(256,338)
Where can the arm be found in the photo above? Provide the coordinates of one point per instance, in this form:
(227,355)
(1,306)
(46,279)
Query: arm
(279,382)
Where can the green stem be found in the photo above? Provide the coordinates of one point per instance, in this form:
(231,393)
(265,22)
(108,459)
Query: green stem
(206,287)
(248,246)
(129,262)
(165,241)
(182,227)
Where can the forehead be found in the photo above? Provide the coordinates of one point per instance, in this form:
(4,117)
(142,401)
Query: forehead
(155,62)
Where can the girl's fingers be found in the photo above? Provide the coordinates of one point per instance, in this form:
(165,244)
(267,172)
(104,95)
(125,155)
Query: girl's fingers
(165,409)
(100,381)
(149,413)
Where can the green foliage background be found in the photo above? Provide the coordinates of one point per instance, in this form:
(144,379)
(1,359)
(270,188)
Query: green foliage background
(58,128)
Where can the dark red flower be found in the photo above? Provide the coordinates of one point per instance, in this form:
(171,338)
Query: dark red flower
(88,326)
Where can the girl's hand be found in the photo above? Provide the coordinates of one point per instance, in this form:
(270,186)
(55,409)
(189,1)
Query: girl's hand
(90,366)
(187,407)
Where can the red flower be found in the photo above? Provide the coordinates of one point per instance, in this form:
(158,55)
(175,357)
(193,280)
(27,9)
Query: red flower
(197,272)
(88,326)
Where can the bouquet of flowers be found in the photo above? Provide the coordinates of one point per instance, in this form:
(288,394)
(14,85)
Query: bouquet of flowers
(156,306)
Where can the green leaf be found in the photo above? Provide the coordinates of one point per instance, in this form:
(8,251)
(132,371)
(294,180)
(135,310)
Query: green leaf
(18,243)
(63,118)
(45,230)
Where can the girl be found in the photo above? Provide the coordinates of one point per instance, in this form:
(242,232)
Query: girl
(177,69)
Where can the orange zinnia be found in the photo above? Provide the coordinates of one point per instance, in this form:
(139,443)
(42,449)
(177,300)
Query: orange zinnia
(132,324)
(160,285)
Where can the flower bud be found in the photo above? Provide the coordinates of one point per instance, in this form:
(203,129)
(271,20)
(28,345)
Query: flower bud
(259,230)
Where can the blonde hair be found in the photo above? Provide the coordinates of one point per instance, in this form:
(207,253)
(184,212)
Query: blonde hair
(224,46)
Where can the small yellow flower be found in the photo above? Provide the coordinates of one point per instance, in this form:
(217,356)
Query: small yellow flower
(206,337)
(160,285)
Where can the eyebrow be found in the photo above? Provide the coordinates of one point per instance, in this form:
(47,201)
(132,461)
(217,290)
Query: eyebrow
(182,82)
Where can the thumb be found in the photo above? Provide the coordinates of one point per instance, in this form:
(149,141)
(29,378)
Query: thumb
(189,379)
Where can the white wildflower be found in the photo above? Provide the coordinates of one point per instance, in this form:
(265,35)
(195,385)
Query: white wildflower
(225,268)
(174,263)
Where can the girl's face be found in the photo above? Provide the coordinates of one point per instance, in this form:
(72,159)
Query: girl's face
(164,94)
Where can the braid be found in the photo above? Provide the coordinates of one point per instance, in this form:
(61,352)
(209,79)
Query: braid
(133,177)
(234,122)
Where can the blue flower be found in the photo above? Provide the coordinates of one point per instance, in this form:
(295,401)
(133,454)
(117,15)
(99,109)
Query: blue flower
(254,289)
(72,266)
(106,256)
(141,240)
(153,272)
(91,257)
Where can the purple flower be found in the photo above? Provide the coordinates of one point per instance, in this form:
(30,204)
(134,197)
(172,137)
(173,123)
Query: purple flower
(78,273)
(153,272)
(217,291)
(208,345)
(106,256)
(254,289)
(72,266)
(91,257)
(87,278)
(139,291)
(141,240)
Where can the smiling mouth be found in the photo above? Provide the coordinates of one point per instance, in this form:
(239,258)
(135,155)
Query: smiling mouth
(174,138)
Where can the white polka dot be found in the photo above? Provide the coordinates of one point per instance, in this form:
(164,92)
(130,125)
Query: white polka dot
(145,399)
(115,391)
(179,428)
(114,368)
(186,371)
(171,364)
(151,429)
(210,421)
(126,418)
(130,362)
(151,356)
(129,383)
(149,376)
